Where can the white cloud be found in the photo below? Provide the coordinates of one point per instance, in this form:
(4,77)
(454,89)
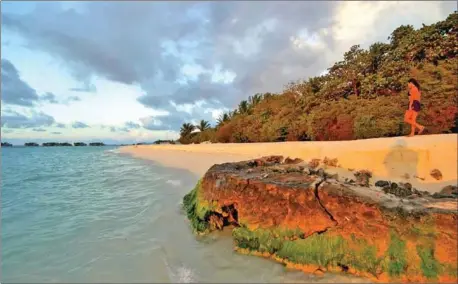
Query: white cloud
(112,104)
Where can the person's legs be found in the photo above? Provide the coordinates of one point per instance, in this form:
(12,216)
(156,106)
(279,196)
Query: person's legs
(413,123)
(420,127)
(416,107)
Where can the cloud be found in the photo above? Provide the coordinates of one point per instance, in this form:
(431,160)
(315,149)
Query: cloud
(60,125)
(56,133)
(39,130)
(132,125)
(128,126)
(74,98)
(14,90)
(71,99)
(220,52)
(86,88)
(118,129)
(79,124)
(49,97)
(12,119)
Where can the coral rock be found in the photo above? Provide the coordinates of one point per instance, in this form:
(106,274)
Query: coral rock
(312,223)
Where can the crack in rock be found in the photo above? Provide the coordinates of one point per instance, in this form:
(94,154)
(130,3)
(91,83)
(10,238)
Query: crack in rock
(317,185)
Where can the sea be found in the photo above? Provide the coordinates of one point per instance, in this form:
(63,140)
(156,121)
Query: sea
(93,215)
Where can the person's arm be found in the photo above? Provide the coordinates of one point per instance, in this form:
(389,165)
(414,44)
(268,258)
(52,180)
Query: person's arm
(410,102)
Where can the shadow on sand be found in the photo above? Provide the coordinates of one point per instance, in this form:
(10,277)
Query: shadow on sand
(401,162)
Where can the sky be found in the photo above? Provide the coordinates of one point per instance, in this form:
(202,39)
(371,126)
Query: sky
(125,72)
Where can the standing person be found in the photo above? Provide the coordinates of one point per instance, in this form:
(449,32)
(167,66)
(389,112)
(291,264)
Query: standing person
(411,114)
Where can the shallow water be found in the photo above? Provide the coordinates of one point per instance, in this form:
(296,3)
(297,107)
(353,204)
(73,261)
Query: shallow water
(89,214)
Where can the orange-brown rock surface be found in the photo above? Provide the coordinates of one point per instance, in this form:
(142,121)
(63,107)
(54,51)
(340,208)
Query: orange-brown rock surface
(311,221)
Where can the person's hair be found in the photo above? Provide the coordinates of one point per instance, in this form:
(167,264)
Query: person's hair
(413,81)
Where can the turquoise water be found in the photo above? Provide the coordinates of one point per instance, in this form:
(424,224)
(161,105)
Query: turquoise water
(89,214)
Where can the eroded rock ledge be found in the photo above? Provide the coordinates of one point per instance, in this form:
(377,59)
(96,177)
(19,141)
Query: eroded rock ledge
(301,216)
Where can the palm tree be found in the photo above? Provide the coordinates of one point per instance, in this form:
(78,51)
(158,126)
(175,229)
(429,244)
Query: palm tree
(254,100)
(243,107)
(222,119)
(203,125)
(186,129)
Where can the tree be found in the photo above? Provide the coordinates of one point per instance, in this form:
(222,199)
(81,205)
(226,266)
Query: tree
(222,119)
(186,129)
(203,125)
(243,107)
(399,34)
(254,100)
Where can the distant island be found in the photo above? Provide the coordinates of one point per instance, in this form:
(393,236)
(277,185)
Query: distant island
(83,144)
(56,144)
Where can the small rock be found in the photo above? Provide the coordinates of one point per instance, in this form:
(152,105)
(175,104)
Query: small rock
(439,195)
(425,193)
(249,171)
(436,174)
(274,159)
(450,190)
(314,163)
(406,185)
(265,175)
(251,164)
(404,190)
(382,183)
(330,162)
(290,161)
(362,177)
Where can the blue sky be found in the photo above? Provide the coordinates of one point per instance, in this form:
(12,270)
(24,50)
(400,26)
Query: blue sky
(135,71)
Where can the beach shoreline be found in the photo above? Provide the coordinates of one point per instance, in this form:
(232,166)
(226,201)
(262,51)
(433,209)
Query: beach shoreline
(397,159)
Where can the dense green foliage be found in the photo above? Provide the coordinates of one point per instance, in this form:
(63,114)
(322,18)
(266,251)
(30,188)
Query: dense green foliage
(362,96)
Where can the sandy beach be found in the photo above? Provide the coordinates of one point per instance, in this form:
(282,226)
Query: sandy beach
(398,159)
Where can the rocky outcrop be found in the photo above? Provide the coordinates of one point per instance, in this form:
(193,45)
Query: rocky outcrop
(299,215)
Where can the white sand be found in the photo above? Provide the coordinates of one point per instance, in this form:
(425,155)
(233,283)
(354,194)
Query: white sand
(397,159)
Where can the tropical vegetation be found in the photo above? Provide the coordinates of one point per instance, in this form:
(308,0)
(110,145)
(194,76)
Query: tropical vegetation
(362,96)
